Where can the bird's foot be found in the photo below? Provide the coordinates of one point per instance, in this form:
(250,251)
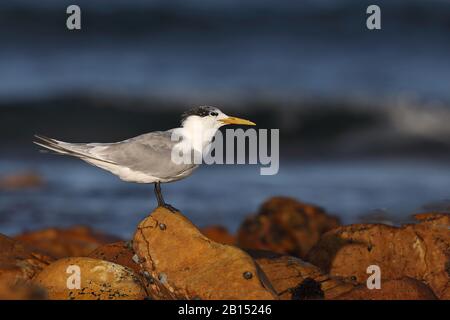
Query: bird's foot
(169,207)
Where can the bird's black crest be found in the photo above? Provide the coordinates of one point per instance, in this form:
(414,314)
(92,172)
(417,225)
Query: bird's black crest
(201,111)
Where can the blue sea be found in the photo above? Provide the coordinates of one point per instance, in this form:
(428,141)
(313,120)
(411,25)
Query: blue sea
(356,191)
(226,50)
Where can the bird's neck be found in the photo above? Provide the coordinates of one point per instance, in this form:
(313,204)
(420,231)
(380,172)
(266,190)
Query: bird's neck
(199,133)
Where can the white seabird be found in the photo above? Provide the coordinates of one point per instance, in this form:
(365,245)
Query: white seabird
(148,158)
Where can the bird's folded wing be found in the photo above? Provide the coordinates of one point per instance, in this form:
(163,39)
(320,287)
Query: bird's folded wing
(149,153)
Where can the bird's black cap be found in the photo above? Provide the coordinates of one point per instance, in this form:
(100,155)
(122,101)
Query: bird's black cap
(201,111)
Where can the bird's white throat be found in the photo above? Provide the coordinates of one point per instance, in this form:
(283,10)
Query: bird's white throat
(199,132)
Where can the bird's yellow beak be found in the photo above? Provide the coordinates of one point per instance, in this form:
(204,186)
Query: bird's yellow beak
(234,120)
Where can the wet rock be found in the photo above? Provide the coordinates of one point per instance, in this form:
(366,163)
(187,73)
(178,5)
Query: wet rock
(17,263)
(21,181)
(99,280)
(219,234)
(78,241)
(182,263)
(399,289)
(420,251)
(118,252)
(285,225)
(294,279)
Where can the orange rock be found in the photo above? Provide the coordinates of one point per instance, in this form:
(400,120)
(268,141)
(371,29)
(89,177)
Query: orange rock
(99,280)
(118,252)
(181,262)
(294,279)
(59,243)
(218,234)
(285,225)
(420,251)
(21,181)
(17,263)
(399,289)
(21,291)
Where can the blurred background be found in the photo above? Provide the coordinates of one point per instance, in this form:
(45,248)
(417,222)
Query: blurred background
(363,115)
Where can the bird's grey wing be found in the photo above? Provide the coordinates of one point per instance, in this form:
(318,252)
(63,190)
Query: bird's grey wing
(149,153)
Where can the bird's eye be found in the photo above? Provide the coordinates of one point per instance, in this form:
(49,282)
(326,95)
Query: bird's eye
(214,114)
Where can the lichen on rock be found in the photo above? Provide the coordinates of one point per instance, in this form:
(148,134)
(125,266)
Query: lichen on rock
(99,280)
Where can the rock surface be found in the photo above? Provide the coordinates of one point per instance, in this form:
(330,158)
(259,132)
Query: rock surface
(21,181)
(118,252)
(180,262)
(99,280)
(21,291)
(420,251)
(294,279)
(219,234)
(169,258)
(17,263)
(285,225)
(399,289)
(77,241)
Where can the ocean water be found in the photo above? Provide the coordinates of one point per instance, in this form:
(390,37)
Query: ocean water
(222,51)
(364,190)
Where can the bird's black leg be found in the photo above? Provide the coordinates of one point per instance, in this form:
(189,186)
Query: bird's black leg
(161,202)
(158,194)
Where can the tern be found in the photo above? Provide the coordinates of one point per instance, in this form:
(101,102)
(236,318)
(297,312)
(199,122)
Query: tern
(147,158)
